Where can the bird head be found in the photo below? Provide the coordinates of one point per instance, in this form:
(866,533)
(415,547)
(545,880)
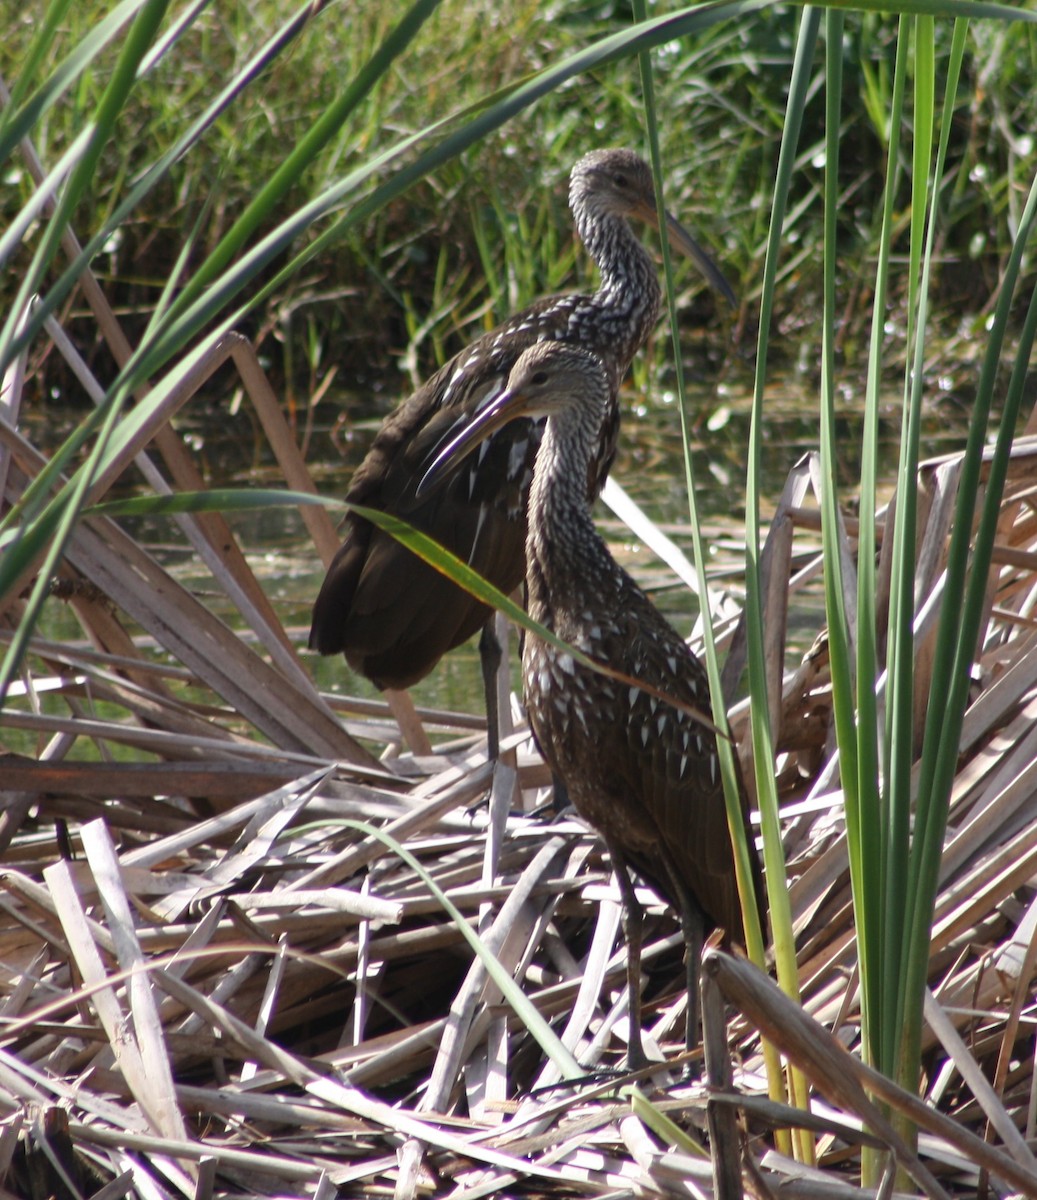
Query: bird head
(619,183)
(547,379)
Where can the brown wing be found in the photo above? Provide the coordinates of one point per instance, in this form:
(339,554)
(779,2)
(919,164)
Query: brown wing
(387,611)
(675,771)
(391,615)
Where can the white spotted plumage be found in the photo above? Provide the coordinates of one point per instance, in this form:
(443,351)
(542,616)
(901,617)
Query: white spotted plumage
(643,770)
(393,616)
(637,764)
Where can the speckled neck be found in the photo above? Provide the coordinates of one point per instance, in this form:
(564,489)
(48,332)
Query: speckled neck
(626,303)
(563,547)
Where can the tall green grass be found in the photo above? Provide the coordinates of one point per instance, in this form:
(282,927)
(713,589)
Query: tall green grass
(791,156)
(896,827)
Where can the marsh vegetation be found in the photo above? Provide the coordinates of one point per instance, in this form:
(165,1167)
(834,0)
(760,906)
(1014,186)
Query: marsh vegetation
(254,942)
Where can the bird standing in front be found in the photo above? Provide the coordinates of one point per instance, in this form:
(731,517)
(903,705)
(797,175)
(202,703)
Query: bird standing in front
(392,615)
(643,772)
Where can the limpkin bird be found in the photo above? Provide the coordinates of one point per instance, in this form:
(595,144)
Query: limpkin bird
(392,615)
(643,772)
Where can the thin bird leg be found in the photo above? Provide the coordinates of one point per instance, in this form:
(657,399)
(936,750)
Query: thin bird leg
(559,794)
(693,924)
(490,655)
(633,917)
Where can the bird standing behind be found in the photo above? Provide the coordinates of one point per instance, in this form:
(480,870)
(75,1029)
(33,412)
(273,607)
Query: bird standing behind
(644,773)
(392,615)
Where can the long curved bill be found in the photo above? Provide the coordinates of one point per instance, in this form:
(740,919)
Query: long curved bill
(492,415)
(682,241)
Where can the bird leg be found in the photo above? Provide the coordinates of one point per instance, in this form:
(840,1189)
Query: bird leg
(406,716)
(693,923)
(490,655)
(692,926)
(633,917)
(559,794)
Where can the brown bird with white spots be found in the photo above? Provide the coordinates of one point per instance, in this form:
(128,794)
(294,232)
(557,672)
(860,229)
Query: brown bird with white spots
(392,615)
(643,772)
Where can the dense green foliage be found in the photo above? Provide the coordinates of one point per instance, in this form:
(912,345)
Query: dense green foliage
(490,230)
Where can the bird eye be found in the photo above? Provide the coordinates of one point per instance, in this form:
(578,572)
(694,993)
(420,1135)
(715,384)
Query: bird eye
(619,180)
(539,377)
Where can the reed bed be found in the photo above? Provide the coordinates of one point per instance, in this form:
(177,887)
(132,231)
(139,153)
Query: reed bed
(263,941)
(257,941)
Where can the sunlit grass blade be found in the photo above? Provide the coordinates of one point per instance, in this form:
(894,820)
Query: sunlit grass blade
(907,952)
(866,823)
(760,728)
(34,208)
(665,1128)
(426,548)
(900,727)
(148,180)
(185,322)
(26,108)
(46,30)
(763,751)
(45,541)
(753,919)
(968,567)
(61,519)
(840,620)
(135,45)
(305,151)
(524,1008)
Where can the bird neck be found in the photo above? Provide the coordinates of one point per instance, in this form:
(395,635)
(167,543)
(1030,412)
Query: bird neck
(563,548)
(629,286)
